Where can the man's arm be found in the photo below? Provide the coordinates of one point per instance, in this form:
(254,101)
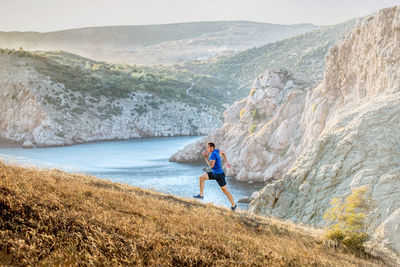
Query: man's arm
(227,164)
(223,155)
(210,163)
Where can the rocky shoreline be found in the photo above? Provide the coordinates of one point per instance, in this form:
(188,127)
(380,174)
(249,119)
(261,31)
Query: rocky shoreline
(4,143)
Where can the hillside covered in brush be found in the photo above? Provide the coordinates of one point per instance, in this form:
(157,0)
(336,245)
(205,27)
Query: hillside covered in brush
(303,54)
(57,98)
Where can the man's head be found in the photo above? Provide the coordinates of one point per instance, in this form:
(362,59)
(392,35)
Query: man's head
(210,147)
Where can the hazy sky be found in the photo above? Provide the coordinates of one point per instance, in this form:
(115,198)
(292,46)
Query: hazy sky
(49,15)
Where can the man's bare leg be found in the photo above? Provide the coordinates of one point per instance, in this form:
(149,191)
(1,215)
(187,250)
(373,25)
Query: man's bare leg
(202,178)
(228,194)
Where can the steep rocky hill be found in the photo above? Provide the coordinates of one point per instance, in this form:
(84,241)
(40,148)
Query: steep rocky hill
(351,140)
(320,142)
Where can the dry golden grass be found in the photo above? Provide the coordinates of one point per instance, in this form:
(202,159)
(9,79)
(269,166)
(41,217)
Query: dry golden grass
(50,217)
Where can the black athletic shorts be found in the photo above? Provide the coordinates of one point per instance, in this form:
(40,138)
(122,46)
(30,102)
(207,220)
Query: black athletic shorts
(220,178)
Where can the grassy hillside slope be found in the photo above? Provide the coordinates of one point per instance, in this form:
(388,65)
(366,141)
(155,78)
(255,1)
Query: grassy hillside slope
(50,217)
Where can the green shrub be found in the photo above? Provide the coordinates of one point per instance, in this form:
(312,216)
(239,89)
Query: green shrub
(266,146)
(60,134)
(349,219)
(242,113)
(104,116)
(141,109)
(255,114)
(78,110)
(252,128)
(154,104)
(314,106)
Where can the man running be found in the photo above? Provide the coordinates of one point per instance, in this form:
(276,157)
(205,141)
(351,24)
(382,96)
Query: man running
(216,173)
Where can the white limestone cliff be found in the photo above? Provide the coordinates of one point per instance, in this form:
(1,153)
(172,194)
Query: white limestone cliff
(313,145)
(352,139)
(27,118)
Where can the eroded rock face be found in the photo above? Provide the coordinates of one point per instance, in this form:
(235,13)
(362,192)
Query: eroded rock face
(21,114)
(389,231)
(358,147)
(261,133)
(323,142)
(35,111)
(351,132)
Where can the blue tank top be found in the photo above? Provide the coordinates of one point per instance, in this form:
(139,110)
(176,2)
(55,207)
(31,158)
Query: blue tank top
(217,169)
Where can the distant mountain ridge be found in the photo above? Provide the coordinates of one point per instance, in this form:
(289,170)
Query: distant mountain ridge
(156,44)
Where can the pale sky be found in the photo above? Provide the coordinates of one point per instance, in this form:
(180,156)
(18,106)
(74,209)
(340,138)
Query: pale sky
(51,15)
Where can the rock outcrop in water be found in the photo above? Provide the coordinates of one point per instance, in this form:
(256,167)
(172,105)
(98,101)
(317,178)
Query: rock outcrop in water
(261,133)
(340,135)
(28,116)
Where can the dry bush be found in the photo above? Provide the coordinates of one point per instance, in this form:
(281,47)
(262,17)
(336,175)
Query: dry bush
(242,112)
(252,128)
(252,91)
(349,219)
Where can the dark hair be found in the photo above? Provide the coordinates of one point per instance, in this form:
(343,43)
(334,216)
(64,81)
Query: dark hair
(211,144)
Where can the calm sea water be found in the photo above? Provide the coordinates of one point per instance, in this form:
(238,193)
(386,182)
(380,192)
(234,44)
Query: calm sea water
(139,162)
